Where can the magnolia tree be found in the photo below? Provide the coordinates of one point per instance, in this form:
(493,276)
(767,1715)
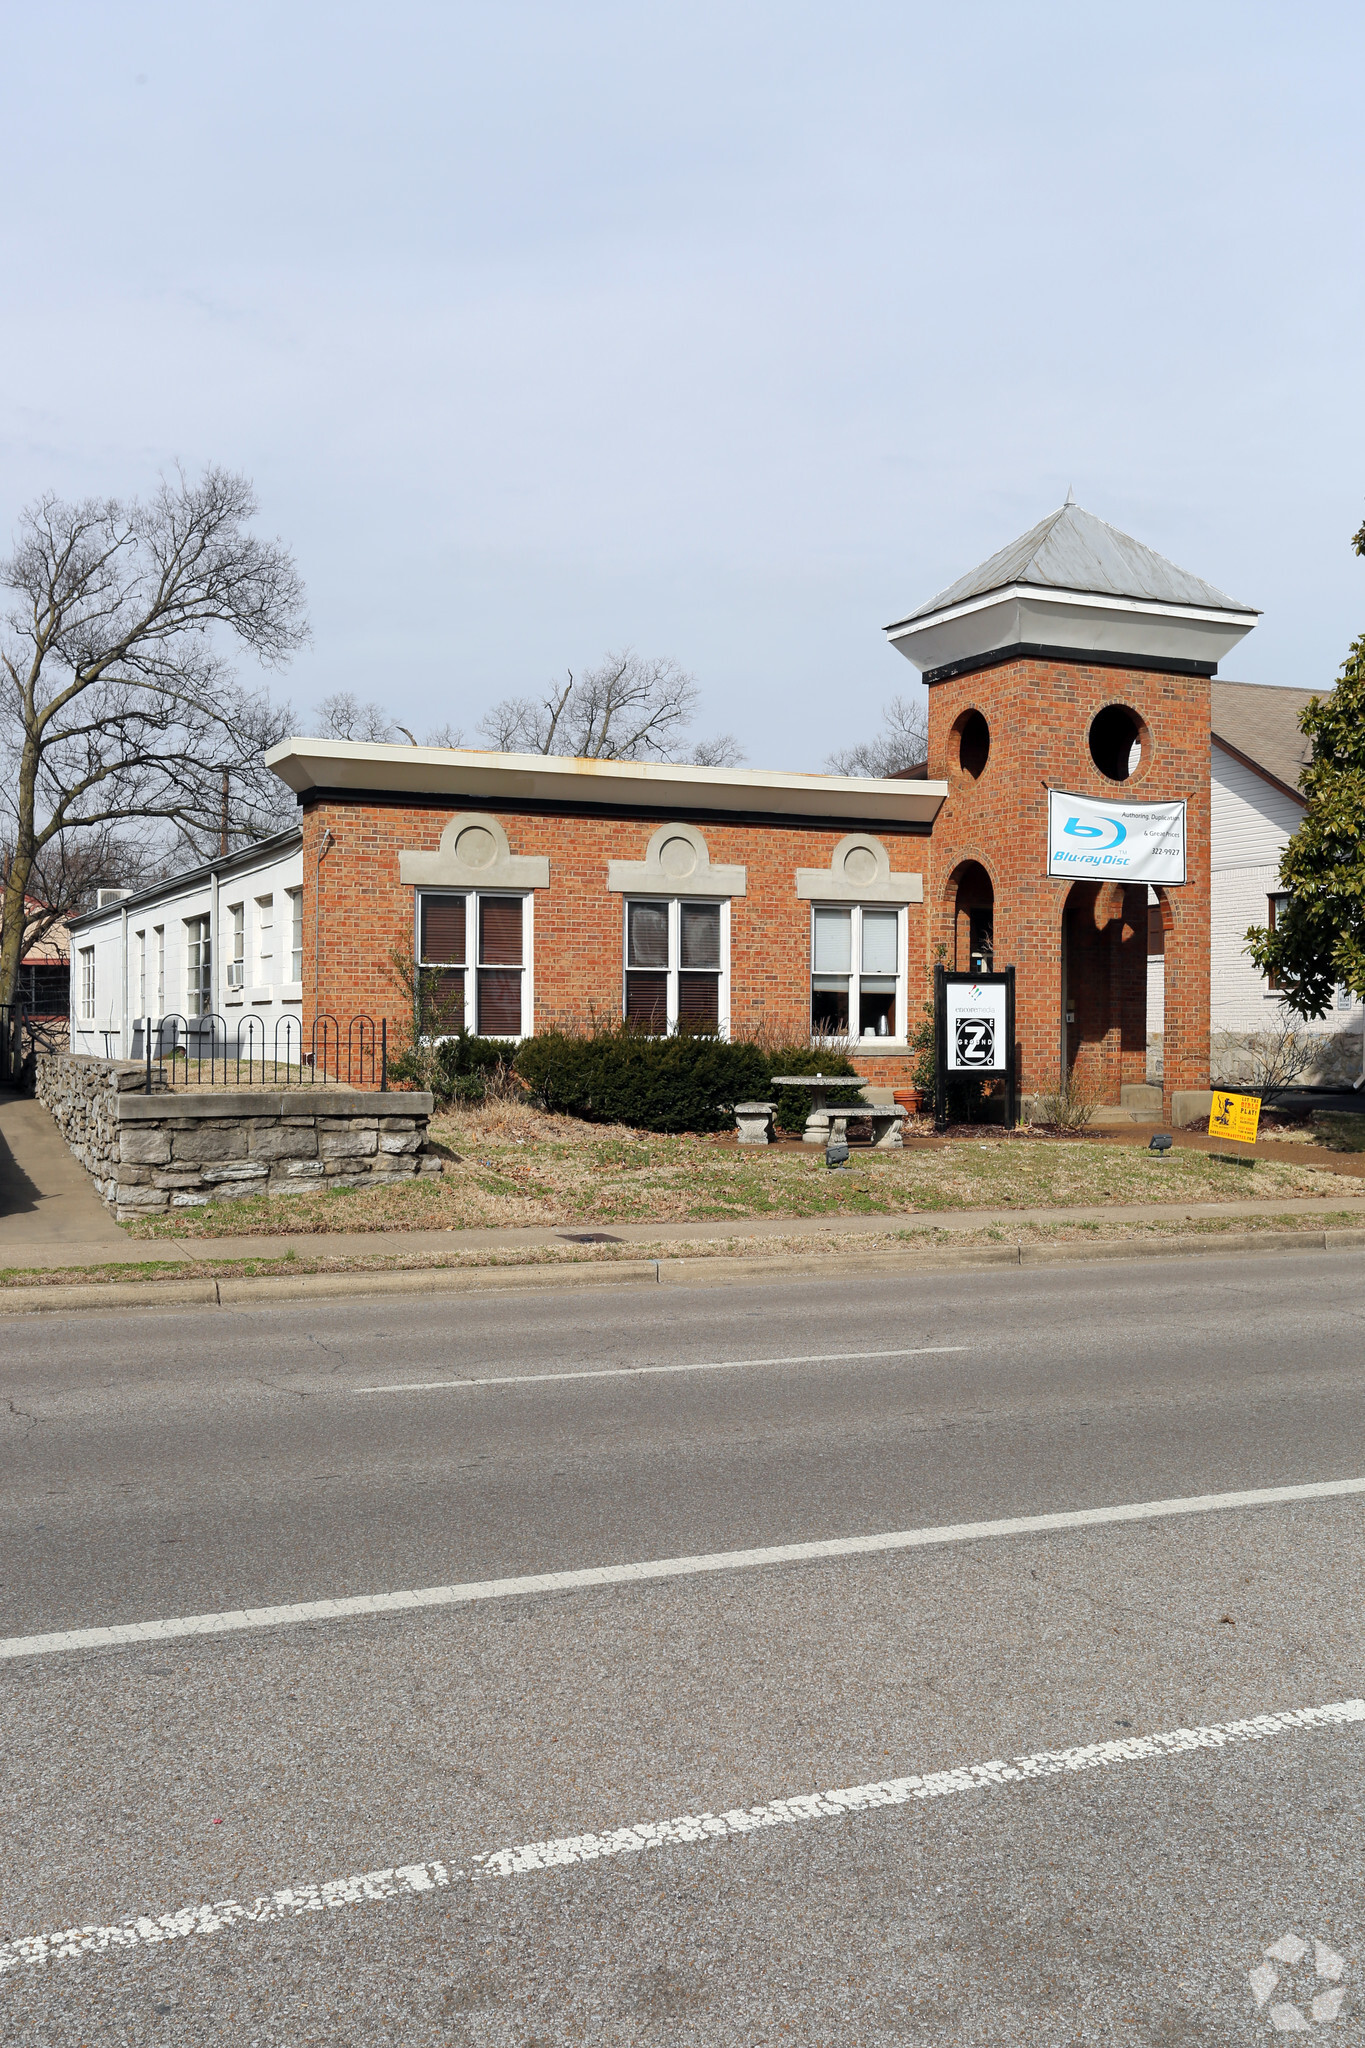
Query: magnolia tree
(1318,942)
(118,702)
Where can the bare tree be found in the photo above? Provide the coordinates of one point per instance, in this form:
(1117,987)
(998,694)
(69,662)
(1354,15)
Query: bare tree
(115,701)
(629,708)
(902,743)
(70,869)
(342,716)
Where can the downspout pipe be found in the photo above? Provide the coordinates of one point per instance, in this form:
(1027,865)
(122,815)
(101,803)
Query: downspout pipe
(125,1043)
(214,968)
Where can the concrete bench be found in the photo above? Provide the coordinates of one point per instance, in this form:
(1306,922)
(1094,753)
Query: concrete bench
(885,1119)
(754,1122)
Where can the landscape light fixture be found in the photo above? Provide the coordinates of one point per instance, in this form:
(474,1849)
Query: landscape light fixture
(1160,1144)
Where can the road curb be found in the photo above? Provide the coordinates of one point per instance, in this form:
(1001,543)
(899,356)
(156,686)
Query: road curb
(718,1271)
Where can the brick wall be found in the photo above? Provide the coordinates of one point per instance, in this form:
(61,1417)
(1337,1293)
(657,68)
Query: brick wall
(365,911)
(1039,714)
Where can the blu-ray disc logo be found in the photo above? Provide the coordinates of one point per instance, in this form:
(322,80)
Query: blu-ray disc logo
(1074,828)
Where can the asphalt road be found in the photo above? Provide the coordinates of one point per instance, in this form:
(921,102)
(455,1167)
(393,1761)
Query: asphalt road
(164,1464)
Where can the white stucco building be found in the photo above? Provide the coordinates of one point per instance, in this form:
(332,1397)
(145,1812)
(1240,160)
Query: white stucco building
(225,940)
(1257,755)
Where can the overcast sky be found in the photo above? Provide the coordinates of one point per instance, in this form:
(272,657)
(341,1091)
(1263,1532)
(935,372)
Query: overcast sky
(729,331)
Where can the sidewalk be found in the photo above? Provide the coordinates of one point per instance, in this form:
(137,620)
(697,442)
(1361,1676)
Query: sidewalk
(50,1216)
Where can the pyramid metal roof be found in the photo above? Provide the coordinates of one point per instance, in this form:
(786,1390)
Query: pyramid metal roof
(1073,550)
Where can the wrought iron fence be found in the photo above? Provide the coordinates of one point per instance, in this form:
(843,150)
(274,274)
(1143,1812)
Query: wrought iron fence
(198,1051)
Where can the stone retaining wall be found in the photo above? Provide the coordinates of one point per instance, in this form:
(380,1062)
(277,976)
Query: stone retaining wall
(151,1153)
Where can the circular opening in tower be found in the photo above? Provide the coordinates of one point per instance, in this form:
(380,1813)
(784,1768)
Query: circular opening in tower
(973,744)
(1117,739)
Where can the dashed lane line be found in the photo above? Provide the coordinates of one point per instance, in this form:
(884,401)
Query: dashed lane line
(351,1606)
(687,1830)
(631,1372)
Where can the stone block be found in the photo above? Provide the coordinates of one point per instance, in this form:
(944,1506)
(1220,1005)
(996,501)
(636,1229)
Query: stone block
(399,1141)
(398,1123)
(145,1142)
(387,1164)
(300,1170)
(348,1143)
(139,1196)
(430,1162)
(235,1169)
(210,1141)
(1142,1100)
(185,1200)
(271,1141)
(177,1177)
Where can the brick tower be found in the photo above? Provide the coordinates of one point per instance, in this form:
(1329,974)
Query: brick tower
(1075,660)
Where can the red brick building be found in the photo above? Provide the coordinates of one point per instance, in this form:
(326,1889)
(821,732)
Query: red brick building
(540,889)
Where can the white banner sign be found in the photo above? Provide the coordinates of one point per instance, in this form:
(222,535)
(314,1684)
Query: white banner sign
(1118,841)
(976,1027)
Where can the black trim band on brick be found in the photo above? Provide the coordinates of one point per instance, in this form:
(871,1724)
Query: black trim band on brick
(649,814)
(1029,650)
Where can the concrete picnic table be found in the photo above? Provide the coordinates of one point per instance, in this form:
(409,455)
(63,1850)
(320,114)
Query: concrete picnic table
(820,1122)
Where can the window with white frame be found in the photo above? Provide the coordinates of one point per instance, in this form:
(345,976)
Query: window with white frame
(88,984)
(159,936)
(675,964)
(472,949)
(295,934)
(856,983)
(198,967)
(142,974)
(265,941)
(236,946)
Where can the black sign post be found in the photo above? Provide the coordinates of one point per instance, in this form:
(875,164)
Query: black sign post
(973,1036)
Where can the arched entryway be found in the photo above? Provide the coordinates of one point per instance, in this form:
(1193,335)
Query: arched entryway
(973,905)
(1104,987)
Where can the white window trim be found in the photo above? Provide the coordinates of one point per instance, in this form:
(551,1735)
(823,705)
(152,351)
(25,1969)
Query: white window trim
(203,992)
(234,967)
(265,942)
(881,1045)
(159,934)
(87,984)
(295,900)
(471,955)
(675,904)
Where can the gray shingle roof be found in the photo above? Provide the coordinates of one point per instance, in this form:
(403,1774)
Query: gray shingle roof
(1261,722)
(1073,550)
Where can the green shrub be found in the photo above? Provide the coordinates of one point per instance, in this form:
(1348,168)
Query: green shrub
(684,1083)
(455,1069)
(688,1082)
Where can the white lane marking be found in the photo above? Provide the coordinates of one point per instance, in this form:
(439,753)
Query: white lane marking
(656,1568)
(630,1372)
(683,1831)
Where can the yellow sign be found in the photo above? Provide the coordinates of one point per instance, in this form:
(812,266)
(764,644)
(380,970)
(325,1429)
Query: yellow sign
(1235,1116)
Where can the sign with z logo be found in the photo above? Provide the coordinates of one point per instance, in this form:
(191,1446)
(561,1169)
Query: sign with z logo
(976,1026)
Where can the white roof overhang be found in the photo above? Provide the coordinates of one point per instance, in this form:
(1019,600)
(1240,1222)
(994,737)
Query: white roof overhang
(550,782)
(1072,621)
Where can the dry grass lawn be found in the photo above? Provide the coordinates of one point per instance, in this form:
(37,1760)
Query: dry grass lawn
(510,1165)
